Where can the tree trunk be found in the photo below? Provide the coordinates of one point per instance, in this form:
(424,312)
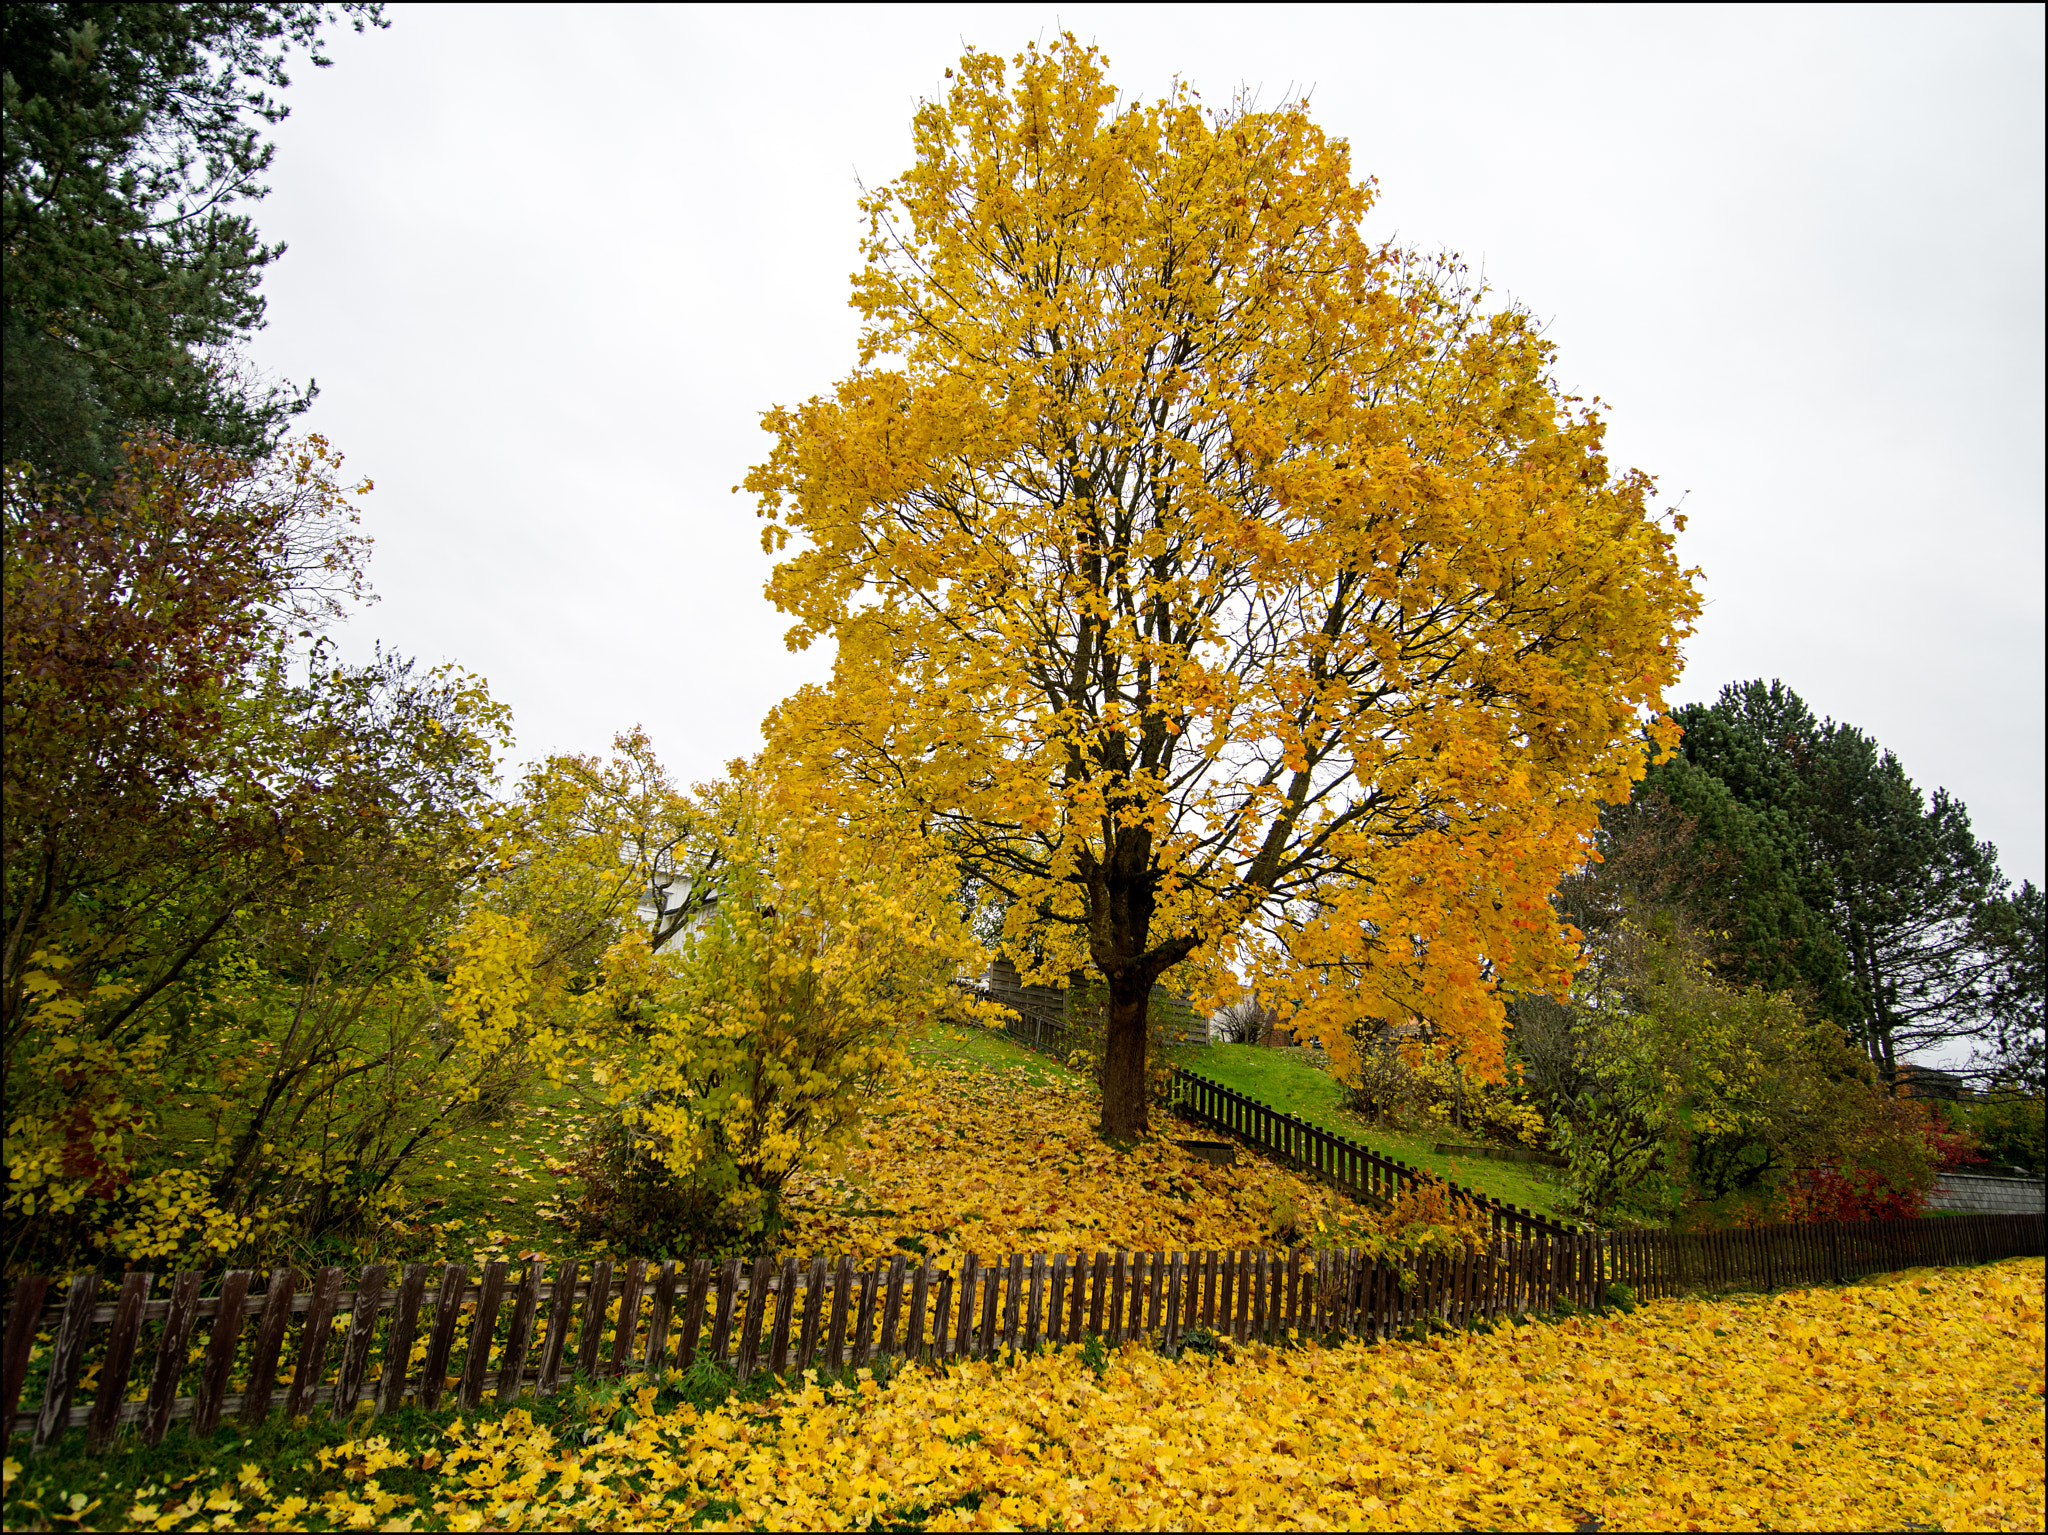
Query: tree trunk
(1123,1060)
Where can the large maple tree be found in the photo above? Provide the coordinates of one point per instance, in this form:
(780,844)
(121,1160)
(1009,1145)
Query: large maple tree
(1219,586)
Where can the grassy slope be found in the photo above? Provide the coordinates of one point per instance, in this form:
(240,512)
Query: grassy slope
(1287,1080)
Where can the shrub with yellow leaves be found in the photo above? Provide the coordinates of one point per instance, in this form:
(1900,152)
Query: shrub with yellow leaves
(748,1046)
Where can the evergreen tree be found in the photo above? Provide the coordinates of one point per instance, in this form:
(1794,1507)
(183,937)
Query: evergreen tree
(1882,903)
(131,134)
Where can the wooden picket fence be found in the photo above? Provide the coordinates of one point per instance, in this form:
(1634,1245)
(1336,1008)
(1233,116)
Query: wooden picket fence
(382,1343)
(1347,1166)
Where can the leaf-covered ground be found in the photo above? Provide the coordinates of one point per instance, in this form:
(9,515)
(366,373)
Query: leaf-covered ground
(958,1158)
(1914,1402)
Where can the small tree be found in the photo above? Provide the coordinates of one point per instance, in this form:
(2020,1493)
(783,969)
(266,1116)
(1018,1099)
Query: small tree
(749,1044)
(1247,1021)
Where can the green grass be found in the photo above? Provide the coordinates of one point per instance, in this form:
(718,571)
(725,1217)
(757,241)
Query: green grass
(482,1191)
(980,1049)
(1289,1081)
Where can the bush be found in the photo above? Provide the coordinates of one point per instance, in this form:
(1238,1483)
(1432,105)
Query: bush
(741,1051)
(1396,1082)
(1246,1021)
(632,1201)
(2009,1131)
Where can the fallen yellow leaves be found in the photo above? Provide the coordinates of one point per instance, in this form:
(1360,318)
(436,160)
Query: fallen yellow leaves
(955,1161)
(1914,1402)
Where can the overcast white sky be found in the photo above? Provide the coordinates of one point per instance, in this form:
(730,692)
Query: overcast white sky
(549,264)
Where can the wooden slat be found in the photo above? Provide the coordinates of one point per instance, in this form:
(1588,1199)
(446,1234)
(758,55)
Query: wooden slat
(1170,1336)
(1013,1303)
(1119,1267)
(398,1343)
(964,1337)
(1077,1302)
(721,1319)
(355,1355)
(447,1308)
(1098,1292)
(757,1308)
(661,1308)
(561,1305)
(597,1302)
(67,1354)
(21,1341)
(220,1354)
(693,1311)
(1033,1302)
(170,1354)
(119,1359)
(920,1288)
(313,1338)
(629,1317)
(842,1296)
(941,1309)
(1155,1320)
(785,1308)
(864,1327)
(1055,1301)
(985,1339)
(277,1311)
(814,1300)
(892,1308)
(482,1329)
(519,1338)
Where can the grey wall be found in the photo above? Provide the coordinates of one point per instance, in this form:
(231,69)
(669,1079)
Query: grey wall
(1992,1196)
(1052,1002)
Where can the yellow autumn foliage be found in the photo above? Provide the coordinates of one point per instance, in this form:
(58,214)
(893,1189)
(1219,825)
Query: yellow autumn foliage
(1910,1402)
(737,1053)
(1226,590)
